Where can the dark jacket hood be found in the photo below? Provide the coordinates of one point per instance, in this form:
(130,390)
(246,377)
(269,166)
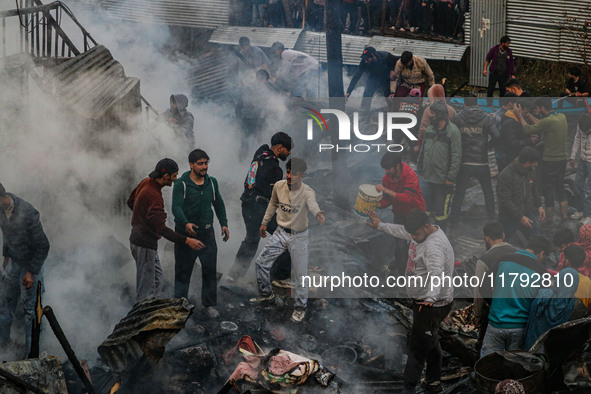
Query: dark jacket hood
(181,101)
(472,115)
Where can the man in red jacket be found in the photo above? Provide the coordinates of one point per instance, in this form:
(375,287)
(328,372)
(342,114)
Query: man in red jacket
(402,190)
(148,225)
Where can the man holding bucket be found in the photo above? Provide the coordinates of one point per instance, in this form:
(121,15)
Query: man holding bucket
(402,191)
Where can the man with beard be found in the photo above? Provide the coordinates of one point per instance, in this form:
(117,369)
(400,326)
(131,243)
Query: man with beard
(430,255)
(262,175)
(179,119)
(193,195)
(378,66)
(148,225)
(502,66)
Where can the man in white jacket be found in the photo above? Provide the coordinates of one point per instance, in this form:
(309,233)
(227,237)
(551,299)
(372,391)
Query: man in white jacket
(430,259)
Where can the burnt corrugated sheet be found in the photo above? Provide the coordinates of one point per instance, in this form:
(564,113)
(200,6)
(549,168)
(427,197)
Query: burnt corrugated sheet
(205,14)
(147,329)
(543,29)
(314,44)
(430,50)
(92,83)
(259,36)
(483,38)
(209,78)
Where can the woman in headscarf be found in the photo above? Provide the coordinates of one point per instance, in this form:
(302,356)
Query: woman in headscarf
(584,241)
(435,93)
(552,306)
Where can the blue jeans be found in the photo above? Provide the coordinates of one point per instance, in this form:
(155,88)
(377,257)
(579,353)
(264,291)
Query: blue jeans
(497,339)
(10,293)
(583,187)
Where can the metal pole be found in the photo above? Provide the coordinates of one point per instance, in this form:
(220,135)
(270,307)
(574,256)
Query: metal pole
(57,330)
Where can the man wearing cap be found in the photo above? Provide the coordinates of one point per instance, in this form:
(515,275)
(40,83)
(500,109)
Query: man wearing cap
(378,65)
(148,225)
(298,73)
(411,72)
(439,162)
(24,247)
(193,195)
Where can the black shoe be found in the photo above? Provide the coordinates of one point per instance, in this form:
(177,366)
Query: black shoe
(432,387)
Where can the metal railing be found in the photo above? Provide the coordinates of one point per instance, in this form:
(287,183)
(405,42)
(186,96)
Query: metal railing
(40,30)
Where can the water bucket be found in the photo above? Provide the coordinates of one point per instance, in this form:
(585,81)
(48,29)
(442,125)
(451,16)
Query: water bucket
(367,200)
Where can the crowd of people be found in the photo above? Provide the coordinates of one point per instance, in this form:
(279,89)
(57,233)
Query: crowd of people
(441,17)
(452,148)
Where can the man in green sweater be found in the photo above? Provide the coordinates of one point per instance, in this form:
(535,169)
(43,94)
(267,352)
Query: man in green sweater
(193,195)
(553,127)
(439,162)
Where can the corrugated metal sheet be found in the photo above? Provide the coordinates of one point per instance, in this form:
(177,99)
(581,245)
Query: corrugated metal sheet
(209,79)
(468,18)
(482,40)
(314,44)
(45,373)
(92,83)
(259,36)
(147,329)
(206,14)
(433,50)
(537,28)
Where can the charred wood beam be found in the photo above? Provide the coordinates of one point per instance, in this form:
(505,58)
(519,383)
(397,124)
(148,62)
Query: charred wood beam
(59,333)
(34,353)
(20,383)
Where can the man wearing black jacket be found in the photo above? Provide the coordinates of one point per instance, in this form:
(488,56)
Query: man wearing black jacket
(264,171)
(476,126)
(24,247)
(379,65)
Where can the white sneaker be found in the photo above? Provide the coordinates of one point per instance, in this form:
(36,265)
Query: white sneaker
(586,220)
(577,215)
(298,315)
(211,312)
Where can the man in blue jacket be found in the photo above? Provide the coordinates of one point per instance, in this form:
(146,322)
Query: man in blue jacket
(25,248)
(193,195)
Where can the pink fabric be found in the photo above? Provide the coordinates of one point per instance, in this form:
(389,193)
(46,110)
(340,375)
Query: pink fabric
(584,241)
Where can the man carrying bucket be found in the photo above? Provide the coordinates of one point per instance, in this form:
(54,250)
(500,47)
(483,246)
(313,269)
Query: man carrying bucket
(402,191)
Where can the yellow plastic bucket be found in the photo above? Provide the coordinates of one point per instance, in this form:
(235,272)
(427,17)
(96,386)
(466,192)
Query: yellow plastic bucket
(367,199)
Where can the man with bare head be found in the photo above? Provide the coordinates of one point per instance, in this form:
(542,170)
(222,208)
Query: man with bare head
(25,248)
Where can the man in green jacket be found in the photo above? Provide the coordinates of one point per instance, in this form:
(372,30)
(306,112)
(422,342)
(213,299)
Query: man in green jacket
(193,195)
(553,127)
(439,162)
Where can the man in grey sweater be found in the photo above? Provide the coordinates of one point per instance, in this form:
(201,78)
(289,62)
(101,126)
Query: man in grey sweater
(430,256)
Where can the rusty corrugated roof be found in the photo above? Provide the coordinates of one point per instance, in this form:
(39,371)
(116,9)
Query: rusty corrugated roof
(146,329)
(91,83)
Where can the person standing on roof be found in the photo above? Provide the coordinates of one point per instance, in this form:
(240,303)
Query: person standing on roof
(299,73)
(179,119)
(254,56)
(411,72)
(502,66)
(378,65)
